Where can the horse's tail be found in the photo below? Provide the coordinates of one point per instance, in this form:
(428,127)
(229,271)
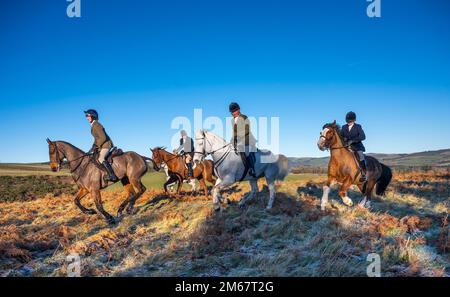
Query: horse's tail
(384,180)
(283,167)
(148,159)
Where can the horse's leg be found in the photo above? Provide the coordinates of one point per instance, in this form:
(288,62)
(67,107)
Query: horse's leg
(180,184)
(98,203)
(251,194)
(129,190)
(170,181)
(272,193)
(139,189)
(366,201)
(220,184)
(343,191)
(209,174)
(326,193)
(203,184)
(193,185)
(80,195)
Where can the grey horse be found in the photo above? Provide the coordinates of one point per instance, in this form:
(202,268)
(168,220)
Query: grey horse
(230,169)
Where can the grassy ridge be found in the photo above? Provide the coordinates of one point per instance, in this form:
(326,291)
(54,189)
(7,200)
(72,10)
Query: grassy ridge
(182,236)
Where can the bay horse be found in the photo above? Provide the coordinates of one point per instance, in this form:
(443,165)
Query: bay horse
(87,174)
(230,168)
(176,164)
(343,168)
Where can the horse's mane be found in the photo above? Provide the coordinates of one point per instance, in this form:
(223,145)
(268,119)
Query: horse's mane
(70,145)
(334,126)
(215,135)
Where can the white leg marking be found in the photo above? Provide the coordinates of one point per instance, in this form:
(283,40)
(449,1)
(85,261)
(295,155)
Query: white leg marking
(347,201)
(272,192)
(324,202)
(363,202)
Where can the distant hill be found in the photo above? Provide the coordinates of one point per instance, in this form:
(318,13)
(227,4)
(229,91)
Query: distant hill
(440,158)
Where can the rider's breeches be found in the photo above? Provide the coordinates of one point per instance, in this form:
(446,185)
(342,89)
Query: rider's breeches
(188,159)
(361,156)
(102,155)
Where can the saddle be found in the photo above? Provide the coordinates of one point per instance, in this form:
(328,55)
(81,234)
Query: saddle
(113,152)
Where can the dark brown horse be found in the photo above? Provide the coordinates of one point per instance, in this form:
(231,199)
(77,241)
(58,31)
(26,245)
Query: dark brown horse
(88,175)
(343,168)
(176,163)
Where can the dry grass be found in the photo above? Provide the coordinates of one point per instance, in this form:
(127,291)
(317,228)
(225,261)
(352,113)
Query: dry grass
(182,236)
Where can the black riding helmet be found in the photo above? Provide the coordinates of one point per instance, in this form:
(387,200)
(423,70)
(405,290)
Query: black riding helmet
(93,113)
(350,117)
(234,107)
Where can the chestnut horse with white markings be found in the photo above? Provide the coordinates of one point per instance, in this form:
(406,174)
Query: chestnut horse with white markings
(343,169)
(176,164)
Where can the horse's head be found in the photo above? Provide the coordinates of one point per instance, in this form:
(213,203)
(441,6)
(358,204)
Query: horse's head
(200,146)
(157,158)
(56,157)
(328,136)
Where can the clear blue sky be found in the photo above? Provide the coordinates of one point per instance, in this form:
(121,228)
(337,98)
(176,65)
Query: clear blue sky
(142,63)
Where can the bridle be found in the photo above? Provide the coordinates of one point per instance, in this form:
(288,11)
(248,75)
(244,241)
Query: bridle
(210,144)
(158,155)
(57,152)
(203,153)
(328,146)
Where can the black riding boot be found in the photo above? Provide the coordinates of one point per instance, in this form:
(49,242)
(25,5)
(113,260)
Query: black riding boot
(190,170)
(363,178)
(247,163)
(111,177)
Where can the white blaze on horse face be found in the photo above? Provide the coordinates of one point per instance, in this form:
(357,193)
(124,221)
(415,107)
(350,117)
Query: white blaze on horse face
(322,139)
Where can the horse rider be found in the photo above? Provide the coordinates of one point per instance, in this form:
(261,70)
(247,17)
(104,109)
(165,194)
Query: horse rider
(243,140)
(186,149)
(102,144)
(354,135)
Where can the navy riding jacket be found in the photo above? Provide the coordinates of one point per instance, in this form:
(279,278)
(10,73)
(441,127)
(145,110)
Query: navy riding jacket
(356,135)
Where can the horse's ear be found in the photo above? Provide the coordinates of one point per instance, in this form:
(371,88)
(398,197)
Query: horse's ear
(49,141)
(334,123)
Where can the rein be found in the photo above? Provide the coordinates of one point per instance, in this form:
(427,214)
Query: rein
(69,161)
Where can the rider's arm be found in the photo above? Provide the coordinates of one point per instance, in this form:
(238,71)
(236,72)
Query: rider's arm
(99,135)
(361,134)
(180,148)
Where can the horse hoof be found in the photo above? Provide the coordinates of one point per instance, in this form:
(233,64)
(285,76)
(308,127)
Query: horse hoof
(90,212)
(111,221)
(347,201)
(130,211)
